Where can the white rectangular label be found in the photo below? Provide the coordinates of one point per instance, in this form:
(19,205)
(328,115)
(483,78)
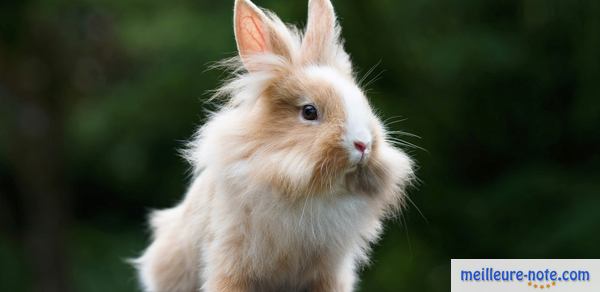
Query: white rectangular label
(525,275)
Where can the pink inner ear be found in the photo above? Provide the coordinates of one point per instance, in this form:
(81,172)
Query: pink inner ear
(252,38)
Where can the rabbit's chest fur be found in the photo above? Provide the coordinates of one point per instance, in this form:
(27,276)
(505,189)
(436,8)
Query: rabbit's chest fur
(276,239)
(314,226)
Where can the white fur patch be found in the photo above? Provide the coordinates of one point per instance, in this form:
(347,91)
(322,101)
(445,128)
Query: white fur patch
(357,109)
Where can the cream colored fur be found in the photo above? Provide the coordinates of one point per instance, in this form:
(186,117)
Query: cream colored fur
(267,210)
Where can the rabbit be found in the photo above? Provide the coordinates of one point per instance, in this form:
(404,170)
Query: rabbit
(292,176)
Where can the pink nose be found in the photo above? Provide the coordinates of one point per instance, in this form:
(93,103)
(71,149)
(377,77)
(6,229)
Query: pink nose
(360,146)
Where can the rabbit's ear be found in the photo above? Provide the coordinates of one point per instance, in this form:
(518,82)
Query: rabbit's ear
(256,34)
(321,32)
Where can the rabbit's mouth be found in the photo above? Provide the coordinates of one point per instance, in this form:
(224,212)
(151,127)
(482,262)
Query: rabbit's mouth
(361,163)
(364,157)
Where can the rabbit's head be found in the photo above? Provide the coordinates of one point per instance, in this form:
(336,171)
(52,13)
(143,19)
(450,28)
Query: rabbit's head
(303,125)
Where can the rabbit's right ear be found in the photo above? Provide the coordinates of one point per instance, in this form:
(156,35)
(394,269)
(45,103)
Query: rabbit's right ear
(256,34)
(321,36)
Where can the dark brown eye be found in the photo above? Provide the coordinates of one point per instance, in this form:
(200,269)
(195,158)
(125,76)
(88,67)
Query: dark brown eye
(309,113)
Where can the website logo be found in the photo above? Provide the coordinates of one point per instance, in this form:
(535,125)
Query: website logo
(524,275)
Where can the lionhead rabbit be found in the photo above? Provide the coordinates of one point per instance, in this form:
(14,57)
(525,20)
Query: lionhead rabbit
(293,176)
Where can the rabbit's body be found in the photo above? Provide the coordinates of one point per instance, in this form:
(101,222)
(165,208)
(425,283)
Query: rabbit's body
(290,247)
(293,177)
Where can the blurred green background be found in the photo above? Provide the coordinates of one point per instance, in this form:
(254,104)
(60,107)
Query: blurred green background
(96,97)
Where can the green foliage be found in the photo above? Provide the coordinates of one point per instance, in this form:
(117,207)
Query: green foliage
(503,93)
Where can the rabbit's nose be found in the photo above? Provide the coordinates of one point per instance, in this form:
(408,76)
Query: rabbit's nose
(360,146)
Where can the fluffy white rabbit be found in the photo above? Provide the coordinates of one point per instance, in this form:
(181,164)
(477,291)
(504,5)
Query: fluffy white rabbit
(293,176)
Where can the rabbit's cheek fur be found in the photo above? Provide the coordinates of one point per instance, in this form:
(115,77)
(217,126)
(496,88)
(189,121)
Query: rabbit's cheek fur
(357,114)
(312,157)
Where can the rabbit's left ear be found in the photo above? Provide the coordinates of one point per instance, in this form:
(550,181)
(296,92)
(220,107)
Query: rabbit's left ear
(321,34)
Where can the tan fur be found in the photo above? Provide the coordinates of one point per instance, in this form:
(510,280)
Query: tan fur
(279,203)
(321,34)
(277,116)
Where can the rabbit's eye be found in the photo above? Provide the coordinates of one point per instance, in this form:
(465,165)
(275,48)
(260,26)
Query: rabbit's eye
(309,113)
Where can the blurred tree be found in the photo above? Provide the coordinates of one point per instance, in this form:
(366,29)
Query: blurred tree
(45,65)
